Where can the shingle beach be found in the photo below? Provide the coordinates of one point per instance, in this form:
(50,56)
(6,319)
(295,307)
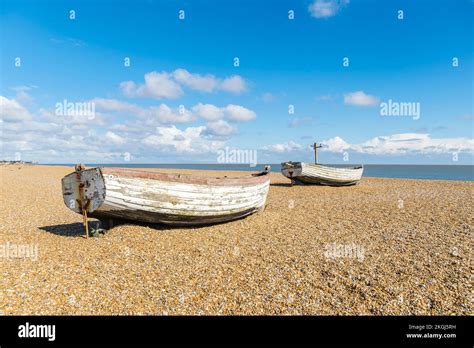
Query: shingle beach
(386,246)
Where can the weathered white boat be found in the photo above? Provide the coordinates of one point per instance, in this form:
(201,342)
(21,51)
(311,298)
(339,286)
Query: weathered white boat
(306,173)
(153,197)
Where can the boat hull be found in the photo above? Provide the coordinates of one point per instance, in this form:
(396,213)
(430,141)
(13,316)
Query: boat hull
(163,198)
(316,174)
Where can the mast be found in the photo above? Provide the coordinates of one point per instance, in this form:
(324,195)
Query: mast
(316,146)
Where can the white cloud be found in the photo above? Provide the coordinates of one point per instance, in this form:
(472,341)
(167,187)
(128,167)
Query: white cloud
(207,83)
(116,105)
(168,85)
(360,98)
(326,8)
(284,147)
(164,114)
(157,85)
(220,128)
(71,119)
(239,113)
(405,143)
(208,111)
(12,111)
(231,112)
(31,126)
(335,144)
(151,115)
(47,136)
(234,84)
(22,95)
(114,138)
(396,144)
(190,140)
(128,88)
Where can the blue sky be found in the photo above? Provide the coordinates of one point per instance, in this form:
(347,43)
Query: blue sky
(183,100)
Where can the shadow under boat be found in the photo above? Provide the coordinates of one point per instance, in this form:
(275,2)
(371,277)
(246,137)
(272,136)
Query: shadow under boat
(103,226)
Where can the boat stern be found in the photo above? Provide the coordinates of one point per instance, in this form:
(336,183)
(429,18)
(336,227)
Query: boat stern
(291,169)
(84,189)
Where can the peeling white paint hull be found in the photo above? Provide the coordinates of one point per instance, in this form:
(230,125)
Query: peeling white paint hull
(306,173)
(164,198)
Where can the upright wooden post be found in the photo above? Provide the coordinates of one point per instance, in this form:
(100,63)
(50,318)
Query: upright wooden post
(316,147)
(86,223)
(79,168)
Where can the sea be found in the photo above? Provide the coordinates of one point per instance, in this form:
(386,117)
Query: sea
(429,172)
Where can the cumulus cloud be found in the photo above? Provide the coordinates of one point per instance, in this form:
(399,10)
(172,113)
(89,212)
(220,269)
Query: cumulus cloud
(208,111)
(189,140)
(231,112)
(157,85)
(73,118)
(12,111)
(22,95)
(234,84)
(151,115)
(239,113)
(128,88)
(169,85)
(209,83)
(165,114)
(206,83)
(405,143)
(283,147)
(395,144)
(114,138)
(220,128)
(116,105)
(326,8)
(145,132)
(360,98)
(336,144)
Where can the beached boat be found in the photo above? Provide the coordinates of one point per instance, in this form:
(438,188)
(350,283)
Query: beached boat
(154,197)
(307,173)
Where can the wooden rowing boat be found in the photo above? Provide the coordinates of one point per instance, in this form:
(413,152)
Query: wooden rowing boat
(153,197)
(306,173)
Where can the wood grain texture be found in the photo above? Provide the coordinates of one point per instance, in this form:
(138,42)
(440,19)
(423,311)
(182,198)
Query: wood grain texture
(306,173)
(166,198)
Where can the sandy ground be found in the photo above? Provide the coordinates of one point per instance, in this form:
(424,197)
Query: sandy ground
(386,246)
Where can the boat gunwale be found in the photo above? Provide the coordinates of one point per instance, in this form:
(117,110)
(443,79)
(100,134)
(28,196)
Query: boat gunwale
(297,165)
(311,165)
(186,178)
